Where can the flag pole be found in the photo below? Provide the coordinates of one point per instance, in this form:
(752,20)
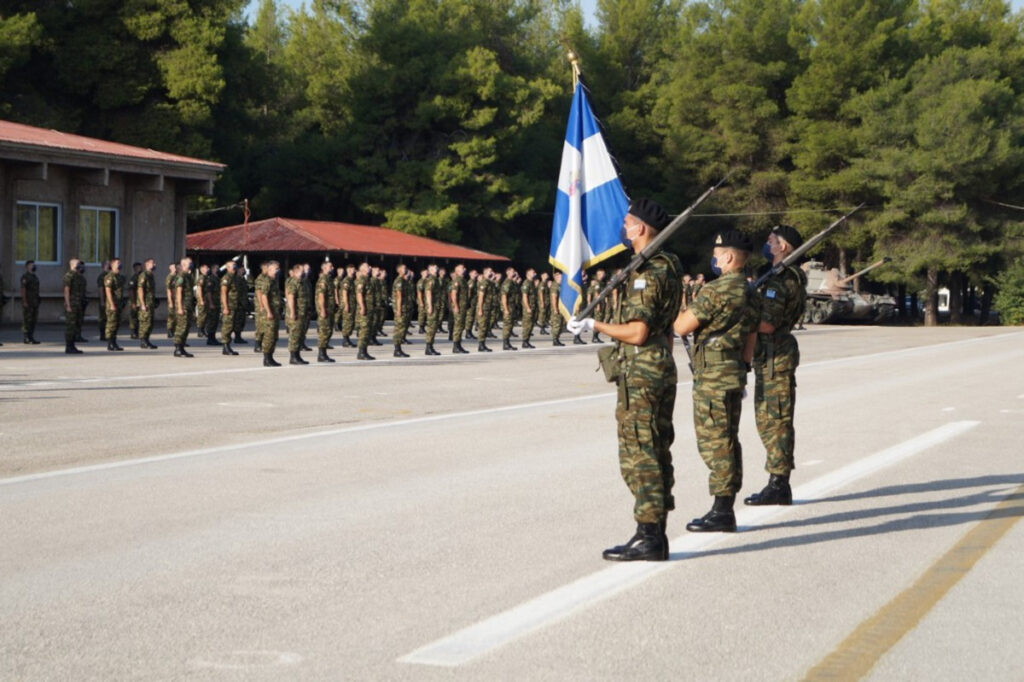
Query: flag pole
(574,60)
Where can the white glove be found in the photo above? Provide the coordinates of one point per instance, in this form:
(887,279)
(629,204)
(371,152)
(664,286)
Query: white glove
(577,327)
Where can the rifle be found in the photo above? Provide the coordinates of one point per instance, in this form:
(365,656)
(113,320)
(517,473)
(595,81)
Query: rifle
(802,249)
(642,257)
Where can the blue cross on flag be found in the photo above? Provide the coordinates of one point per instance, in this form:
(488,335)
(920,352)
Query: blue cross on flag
(590,205)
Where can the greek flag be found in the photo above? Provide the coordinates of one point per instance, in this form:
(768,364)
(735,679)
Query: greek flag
(590,205)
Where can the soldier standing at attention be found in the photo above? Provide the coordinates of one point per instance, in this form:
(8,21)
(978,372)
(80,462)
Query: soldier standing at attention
(723,318)
(508,292)
(408,302)
(29,302)
(228,294)
(399,305)
(293,316)
(647,384)
(543,302)
(458,303)
(432,301)
(112,291)
(144,295)
(347,301)
(133,307)
(362,310)
(268,293)
(241,308)
(306,305)
(74,295)
(101,301)
(324,296)
(261,282)
(481,303)
(593,289)
(184,302)
(213,309)
(783,298)
(471,287)
(172,272)
(202,304)
(531,305)
(556,313)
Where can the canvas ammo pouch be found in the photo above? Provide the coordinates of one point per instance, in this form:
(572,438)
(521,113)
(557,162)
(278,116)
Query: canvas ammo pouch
(610,362)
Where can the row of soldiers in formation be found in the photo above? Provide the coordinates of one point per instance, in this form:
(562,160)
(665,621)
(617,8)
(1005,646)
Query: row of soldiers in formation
(353,300)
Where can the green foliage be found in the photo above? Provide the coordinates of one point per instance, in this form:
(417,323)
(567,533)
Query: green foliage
(1009,300)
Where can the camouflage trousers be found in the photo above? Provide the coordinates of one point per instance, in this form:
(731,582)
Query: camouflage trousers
(210,319)
(433,322)
(239,321)
(482,316)
(458,324)
(303,324)
(101,315)
(348,323)
(401,327)
(72,325)
(227,325)
(182,323)
(133,320)
(172,318)
(324,331)
(113,321)
(363,329)
(557,323)
(261,322)
(145,322)
(644,409)
(201,314)
(774,400)
(421,315)
(470,318)
(29,317)
(716,421)
(506,325)
(528,324)
(294,329)
(270,332)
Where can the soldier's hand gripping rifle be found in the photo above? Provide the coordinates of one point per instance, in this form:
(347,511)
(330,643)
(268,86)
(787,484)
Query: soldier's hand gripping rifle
(802,249)
(640,258)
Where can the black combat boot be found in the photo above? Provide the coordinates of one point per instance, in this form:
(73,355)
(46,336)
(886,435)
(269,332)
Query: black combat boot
(375,342)
(26,339)
(720,519)
(363,355)
(239,340)
(306,348)
(323,357)
(180,352)
(595,338)
(543,330)
(257,348)
(346,342)
(557,342)
(430,350)
(470,335)
(527,344)
(482,348)
(269,361)
(648,544)
(422,330)
(457,348)
(399,353)
(112,344)
(578,341)
(228,350)
(507,345)
(82,339)
(211,339)
(295,359)
(776,492)
(149,344)
(70,348)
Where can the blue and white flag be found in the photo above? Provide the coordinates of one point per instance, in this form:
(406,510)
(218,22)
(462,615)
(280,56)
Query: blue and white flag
(590,206)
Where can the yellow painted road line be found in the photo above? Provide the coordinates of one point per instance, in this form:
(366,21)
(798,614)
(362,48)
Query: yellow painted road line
(859,652)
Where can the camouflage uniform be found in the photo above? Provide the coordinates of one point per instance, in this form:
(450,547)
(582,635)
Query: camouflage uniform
(529,289)
(362,318)
(30,305)
(272,290)
(211,289)
(421,303)
(305,303)
(399,289)
(408,303)
(75,282)
(471,288)
(555,315)
(432,285)
(324,323)
(146,286)
(115,282)
(261,285)
(783,298)
(201,308)
(379,296)
(228,315)
(484,300)
(241,307)
(543,303)
(183,321)
(508,292)
(133,304)
(293,286)
(348,313)
(727,313)
(647,389)
(460,289)
(172,313)
(101,304)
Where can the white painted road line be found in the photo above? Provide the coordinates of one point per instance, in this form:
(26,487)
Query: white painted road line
(497,631)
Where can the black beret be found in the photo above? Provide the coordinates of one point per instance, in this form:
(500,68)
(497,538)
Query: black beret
(734,239)
(789,233)
(649,211)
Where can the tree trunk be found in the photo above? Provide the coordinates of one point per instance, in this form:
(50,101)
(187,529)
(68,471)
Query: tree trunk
(901,302)
(956,298)
(931,298)
(986,304)
(842,263)
(856,282)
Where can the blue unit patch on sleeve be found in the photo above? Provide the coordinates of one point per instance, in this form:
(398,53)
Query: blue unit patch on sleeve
(769,293)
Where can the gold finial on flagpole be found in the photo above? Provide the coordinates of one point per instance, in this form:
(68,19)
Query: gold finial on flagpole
(575,61)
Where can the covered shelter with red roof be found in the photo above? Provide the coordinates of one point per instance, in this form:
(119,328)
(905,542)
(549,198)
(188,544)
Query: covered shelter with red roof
(66,196)
(291,240)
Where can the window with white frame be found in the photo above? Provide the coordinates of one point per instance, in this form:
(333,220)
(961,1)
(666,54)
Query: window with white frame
(97,233)
(37,232)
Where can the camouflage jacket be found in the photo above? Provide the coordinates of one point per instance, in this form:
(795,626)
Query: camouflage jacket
(652,297)
(147,288)
(728,314)
(461,290)
(30,283)
(783,299)
(183,281)
(75,282)
(115,283)
(325,286)
(293,286)
(529,289)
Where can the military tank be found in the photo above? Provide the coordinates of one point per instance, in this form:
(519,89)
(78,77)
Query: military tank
(831,298)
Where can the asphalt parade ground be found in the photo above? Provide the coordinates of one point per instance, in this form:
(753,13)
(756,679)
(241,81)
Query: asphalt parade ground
(442,518)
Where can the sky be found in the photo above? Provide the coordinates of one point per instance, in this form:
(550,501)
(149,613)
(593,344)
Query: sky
(589,7)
